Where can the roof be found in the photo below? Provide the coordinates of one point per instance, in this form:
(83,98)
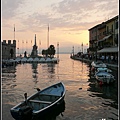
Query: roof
(108,50)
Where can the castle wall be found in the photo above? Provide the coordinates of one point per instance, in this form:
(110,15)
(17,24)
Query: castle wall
(8,49)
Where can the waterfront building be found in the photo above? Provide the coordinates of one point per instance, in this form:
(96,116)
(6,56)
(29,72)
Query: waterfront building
(101,35)
(8,49)
(103,38)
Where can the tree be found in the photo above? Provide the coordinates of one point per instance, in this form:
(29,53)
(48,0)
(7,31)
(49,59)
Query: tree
(51,50)
(44,52)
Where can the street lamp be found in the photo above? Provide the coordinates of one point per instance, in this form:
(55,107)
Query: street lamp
(96,51)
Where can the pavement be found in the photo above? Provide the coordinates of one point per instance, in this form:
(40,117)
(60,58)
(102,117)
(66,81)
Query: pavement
(112,65)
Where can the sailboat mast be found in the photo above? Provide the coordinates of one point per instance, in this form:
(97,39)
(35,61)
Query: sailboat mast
(48,37)
(14,31)
(35,39)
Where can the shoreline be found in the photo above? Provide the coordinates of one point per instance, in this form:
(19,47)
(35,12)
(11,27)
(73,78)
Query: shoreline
(109,65)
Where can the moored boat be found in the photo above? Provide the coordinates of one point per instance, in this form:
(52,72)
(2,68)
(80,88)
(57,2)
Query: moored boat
(103,69)
(98,64)
(104,77)
(38,105)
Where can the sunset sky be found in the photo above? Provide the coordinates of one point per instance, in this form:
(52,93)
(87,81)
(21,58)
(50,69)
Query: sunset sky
(69,21)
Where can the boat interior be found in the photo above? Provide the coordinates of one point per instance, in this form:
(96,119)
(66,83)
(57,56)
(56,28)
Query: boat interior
(41,101)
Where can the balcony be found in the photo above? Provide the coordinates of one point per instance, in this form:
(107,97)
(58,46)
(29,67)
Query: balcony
(109,32)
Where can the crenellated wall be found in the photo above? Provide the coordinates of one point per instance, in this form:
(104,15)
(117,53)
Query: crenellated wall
(9,49)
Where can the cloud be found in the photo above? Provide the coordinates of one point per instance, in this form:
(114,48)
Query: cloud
(9,8)
(65,15)
(85,10)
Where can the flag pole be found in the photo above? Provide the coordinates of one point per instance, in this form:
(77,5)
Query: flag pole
(58,50)
(48,37)
(14,31)
(39,46)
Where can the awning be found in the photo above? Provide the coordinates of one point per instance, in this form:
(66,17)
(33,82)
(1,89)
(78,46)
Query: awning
(108,50)
(105,38)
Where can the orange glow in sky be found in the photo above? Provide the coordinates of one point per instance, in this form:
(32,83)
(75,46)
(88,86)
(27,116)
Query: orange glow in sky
(69,21)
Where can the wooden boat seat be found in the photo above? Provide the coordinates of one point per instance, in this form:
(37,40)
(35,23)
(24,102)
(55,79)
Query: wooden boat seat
(39,101)
(50,95)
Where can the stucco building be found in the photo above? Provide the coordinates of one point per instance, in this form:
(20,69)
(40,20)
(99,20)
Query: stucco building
(103,38)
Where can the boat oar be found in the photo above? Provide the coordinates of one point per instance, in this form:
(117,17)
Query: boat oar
(25,95)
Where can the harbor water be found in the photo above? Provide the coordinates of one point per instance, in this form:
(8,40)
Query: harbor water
(85,99)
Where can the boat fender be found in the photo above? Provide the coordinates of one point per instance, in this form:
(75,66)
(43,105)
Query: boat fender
(100,83)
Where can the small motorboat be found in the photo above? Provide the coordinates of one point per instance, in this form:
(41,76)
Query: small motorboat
(104,77)
(98,64)
(103,69)
(40,104)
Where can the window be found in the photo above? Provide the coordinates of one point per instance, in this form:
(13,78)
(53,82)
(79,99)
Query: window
(107,29)
(112,28)
(116,25)
(104,33)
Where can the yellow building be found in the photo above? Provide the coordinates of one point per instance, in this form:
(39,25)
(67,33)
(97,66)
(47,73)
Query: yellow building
(111,31)
(106,42)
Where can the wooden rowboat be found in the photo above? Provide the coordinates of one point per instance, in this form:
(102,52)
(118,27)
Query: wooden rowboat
(40,104)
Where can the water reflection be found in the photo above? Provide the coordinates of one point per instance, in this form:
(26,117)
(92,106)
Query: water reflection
(92,101)
(35,72)
(104,91)
(51,68)
(9,78)
(9,72)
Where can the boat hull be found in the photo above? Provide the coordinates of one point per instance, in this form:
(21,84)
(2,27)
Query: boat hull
(26,112)
(105,77)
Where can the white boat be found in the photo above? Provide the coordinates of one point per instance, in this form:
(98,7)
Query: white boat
(104,77)
(98,64)
(18,59)
(103,69)
(24,59)
(42,60)
(30,59)
(48,60)
(40,104)
(36,59)
(55,60)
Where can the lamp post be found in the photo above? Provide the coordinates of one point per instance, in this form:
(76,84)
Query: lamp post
(96,51)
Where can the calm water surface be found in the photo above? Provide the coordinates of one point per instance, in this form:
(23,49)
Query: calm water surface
(84,99)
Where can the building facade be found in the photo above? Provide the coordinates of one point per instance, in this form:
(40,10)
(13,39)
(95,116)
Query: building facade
(8,49)
(103,38)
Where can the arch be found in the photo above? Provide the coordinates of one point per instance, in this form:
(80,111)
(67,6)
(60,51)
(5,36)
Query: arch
(11,53)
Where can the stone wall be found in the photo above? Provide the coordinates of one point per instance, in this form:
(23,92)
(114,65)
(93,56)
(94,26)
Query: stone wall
(8,49)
